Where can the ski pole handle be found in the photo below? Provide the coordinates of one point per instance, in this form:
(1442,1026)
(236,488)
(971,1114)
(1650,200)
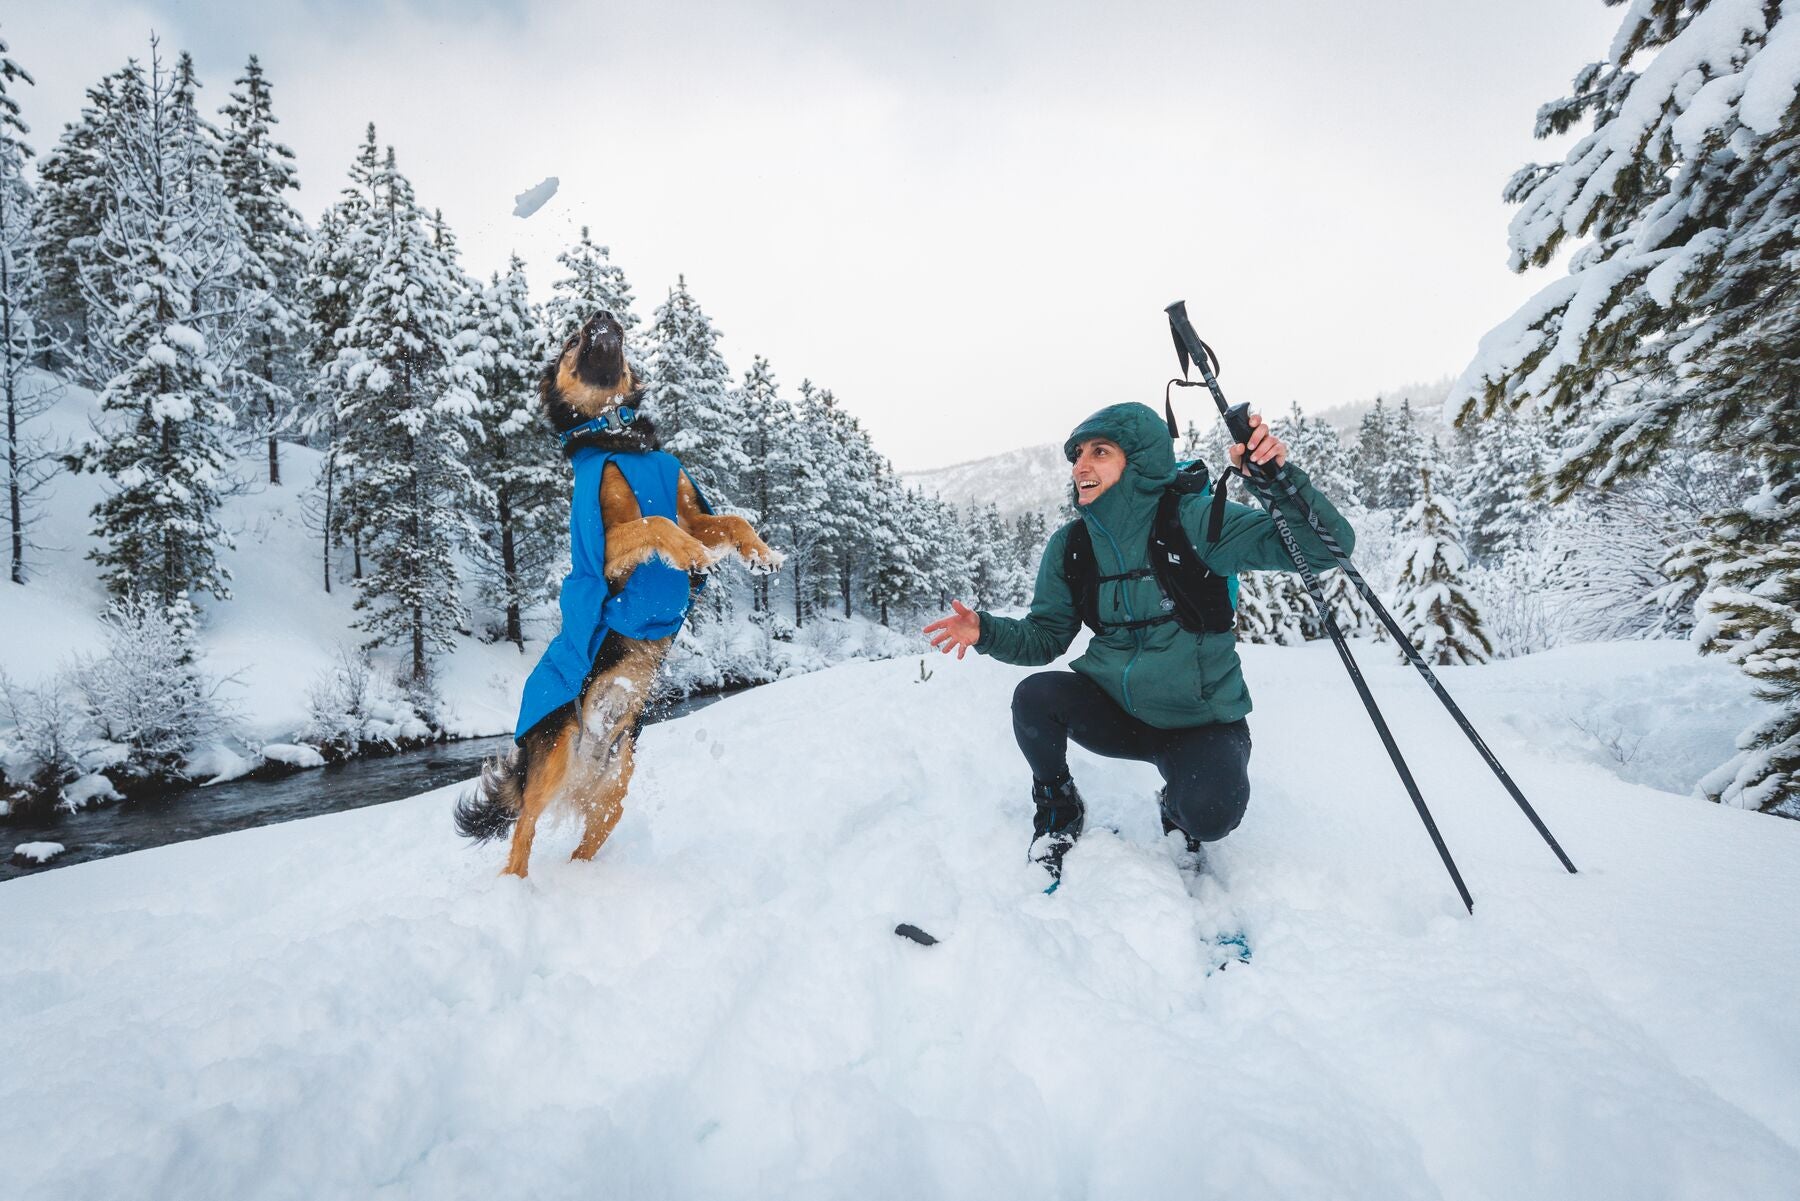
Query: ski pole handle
(1189,348)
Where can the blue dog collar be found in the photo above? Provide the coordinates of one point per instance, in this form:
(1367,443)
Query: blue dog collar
(624,415)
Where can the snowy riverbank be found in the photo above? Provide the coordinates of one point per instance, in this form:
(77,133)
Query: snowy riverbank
(356,1005)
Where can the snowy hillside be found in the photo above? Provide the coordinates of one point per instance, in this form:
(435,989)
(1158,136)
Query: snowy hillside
(1030,479)
(356,1005)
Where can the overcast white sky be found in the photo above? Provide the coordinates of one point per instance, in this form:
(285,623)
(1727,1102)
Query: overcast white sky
(965,218)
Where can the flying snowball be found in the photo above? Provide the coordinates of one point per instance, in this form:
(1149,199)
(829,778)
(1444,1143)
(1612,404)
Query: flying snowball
(533,199)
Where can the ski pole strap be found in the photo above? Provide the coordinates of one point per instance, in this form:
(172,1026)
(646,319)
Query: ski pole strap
(1215,518)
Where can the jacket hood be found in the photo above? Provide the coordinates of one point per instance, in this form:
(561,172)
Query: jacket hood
(1127,507)
(1141,433)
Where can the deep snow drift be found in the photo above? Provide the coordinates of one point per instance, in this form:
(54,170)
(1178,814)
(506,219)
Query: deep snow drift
(356,1006)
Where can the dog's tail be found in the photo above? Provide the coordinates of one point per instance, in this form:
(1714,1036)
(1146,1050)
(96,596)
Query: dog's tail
(491,808)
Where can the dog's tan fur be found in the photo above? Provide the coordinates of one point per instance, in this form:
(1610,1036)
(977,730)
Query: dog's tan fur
(589,400)
(584,758)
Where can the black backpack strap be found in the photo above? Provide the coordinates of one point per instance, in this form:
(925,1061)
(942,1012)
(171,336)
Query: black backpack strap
(1082,573)
(1202,598)
(1215,520)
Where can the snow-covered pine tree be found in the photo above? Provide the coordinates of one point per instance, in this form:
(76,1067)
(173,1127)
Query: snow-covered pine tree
(24,397)
(895,580)
(766,418)
(948,571)
(1316,446)
(1030,534)
(849,502)
(1499,467)
(688,393)
(72,199)
(1207,443)
(407,422)
(227,303)
(1374,438)
(993,577)
(1433,607)
(593,282)
(1264,615)
(1409,450)
(1678,317)
(165,243)
(525,531)
(340,254)
(802,458)
(258,171)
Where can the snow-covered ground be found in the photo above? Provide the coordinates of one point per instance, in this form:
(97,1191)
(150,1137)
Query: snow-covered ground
(357,1006)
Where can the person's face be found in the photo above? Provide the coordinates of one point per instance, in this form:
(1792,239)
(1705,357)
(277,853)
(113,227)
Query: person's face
(1098,465)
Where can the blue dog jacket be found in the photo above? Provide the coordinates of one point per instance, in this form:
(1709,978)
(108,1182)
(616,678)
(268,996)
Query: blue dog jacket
(652,604)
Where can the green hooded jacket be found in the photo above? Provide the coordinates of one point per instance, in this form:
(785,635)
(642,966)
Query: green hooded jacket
(1163,675)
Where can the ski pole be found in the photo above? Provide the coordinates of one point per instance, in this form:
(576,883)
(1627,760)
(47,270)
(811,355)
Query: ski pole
(1317,591)
(1188,343)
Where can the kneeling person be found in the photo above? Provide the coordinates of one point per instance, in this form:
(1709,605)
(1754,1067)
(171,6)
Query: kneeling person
(1146,688)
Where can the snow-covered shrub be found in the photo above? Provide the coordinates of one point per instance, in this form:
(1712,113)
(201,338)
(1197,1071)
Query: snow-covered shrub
(357,704)
(146,695)
(46,730)
(712,653)
(1510,597)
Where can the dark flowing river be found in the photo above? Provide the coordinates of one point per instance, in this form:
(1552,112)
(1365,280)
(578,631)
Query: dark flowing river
(241,804)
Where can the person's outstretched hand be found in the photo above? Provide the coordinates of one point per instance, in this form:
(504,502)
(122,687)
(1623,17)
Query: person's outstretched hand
(961,630)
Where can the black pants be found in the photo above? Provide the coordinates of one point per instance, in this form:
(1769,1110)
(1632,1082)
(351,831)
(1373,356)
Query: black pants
(1206,767)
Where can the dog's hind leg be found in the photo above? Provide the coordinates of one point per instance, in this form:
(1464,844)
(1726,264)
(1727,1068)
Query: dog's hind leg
(549,771)
(609,720)
(608,803)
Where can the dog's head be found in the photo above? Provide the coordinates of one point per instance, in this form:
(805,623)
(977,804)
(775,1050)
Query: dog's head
(590,378)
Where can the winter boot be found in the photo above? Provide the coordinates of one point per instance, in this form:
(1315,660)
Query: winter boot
(1195,852)
(1056,826)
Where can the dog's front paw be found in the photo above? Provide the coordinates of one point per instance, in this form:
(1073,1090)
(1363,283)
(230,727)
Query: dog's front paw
(690,555)
(762,559)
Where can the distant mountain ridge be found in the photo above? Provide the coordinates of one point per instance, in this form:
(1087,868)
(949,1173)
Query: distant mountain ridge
(1426,398)
(1029,479)
(1036,478)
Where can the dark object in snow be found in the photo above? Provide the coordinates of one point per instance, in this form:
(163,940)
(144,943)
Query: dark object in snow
(1262,480)
(532,199)
(908,930)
